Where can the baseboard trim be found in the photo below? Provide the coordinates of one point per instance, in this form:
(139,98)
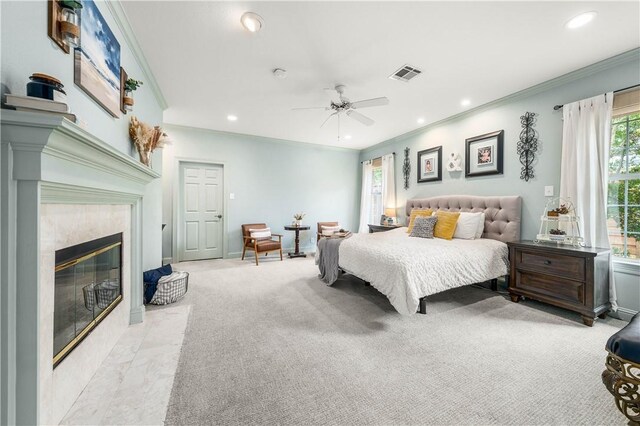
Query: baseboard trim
(623,314)
(136,316)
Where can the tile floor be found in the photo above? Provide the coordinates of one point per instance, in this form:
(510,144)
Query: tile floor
(134,384)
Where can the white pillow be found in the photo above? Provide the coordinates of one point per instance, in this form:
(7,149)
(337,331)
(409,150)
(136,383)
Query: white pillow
(480,230)
(328,231)
(467,226)
(260,233)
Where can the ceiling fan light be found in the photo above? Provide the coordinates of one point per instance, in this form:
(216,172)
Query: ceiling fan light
(252,22)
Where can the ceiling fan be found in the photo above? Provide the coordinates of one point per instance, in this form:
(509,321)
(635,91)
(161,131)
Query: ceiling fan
(349,108)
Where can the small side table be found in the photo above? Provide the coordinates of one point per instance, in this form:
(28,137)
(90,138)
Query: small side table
(297,229)
(381,228)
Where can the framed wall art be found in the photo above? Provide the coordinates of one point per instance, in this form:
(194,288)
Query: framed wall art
(97,60)
(430,165)
(484,154)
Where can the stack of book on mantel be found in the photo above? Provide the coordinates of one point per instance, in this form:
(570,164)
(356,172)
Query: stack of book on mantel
(43,106)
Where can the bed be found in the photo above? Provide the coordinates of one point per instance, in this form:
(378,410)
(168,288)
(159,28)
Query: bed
(408,269)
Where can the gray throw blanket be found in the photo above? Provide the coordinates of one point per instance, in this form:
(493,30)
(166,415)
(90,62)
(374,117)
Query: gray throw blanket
(327,259)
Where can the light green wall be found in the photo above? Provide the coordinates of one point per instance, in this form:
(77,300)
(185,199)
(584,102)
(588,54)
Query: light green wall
(26,48)
(271,180)
(610,75)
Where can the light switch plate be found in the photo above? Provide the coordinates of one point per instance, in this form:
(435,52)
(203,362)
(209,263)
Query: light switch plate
(232,196)
(548,191)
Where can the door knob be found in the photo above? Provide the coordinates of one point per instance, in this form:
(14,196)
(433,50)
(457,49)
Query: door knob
(219,216)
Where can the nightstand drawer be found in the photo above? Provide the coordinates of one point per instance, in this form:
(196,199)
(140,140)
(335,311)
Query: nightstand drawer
(564,266)
(570,291)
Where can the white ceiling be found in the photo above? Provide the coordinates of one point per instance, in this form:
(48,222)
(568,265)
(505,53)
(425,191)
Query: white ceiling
(208,66)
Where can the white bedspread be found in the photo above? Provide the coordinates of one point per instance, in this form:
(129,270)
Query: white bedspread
(407,268)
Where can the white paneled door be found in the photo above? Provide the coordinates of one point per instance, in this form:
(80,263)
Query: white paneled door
(201,211)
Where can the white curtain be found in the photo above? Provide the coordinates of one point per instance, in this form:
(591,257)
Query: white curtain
(388,185)
(366,199)
(584,173)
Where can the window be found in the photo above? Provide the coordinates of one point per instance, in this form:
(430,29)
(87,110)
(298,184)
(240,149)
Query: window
(377,207)
(623,204)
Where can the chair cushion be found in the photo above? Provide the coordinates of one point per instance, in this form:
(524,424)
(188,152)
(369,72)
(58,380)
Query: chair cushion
(260,233)
(328,231)
(626,342)
(268,245)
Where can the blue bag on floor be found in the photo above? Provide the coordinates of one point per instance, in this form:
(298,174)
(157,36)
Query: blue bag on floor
(151,278)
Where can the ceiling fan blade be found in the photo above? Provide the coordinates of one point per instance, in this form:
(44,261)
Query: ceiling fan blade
(325,121)
(359,117)
(370,103)
(299,109)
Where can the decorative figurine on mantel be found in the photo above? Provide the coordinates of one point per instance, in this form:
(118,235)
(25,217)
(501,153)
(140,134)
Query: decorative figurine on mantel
(146,139)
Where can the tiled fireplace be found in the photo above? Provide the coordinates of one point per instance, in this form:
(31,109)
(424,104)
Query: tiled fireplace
(61,187)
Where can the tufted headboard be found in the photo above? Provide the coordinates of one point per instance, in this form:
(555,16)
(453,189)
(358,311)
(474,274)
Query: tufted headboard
(502,214)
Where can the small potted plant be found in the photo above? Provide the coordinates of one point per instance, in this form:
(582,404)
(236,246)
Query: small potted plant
(130,86)
(298,218)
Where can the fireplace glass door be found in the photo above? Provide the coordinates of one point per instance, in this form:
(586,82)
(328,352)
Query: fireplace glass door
(88,285)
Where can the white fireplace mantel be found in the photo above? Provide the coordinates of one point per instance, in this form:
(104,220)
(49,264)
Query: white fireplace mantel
(47,159)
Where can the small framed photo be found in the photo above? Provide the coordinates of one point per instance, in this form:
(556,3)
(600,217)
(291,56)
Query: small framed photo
(430,165)
(484,154)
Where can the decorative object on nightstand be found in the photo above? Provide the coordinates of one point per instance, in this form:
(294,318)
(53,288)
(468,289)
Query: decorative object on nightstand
(381,228)
(560,224)
(389,214)
(574,278)
(527,145)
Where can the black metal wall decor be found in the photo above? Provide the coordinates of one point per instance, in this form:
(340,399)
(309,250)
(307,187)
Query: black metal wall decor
(527,145)
(406,168)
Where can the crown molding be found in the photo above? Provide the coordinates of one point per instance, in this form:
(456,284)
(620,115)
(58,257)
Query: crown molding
(168,125)
(614,61)
(120,16)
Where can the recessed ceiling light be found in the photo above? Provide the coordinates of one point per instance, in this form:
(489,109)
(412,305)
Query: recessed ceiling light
(420,120)
(252,21)
(580,20)
(232,118)
(465,102)
(347,136)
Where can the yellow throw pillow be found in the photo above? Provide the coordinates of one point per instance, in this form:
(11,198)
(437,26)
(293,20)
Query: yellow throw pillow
(446,225)
(415,213)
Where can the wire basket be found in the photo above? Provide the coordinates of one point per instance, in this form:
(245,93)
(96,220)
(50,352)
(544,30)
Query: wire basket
(171,288)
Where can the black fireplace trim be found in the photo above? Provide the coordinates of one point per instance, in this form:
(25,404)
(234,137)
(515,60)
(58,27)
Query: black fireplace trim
(72,253)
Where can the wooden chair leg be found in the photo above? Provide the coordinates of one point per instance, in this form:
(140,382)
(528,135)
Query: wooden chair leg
(256,252)
(244,249)
(281,254)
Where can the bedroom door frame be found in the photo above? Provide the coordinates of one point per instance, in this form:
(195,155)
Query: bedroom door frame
(177,213)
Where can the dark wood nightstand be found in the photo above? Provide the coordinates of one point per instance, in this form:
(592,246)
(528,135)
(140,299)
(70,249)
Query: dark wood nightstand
(573,278)
(381,228)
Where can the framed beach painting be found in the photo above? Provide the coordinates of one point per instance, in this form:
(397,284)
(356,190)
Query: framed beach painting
(430,165)
(97,60)
(484,154)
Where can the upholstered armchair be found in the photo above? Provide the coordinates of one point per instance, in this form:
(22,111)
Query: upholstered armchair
(321,224)
(260,244)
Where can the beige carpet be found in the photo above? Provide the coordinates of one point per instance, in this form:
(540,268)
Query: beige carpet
(274,345)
